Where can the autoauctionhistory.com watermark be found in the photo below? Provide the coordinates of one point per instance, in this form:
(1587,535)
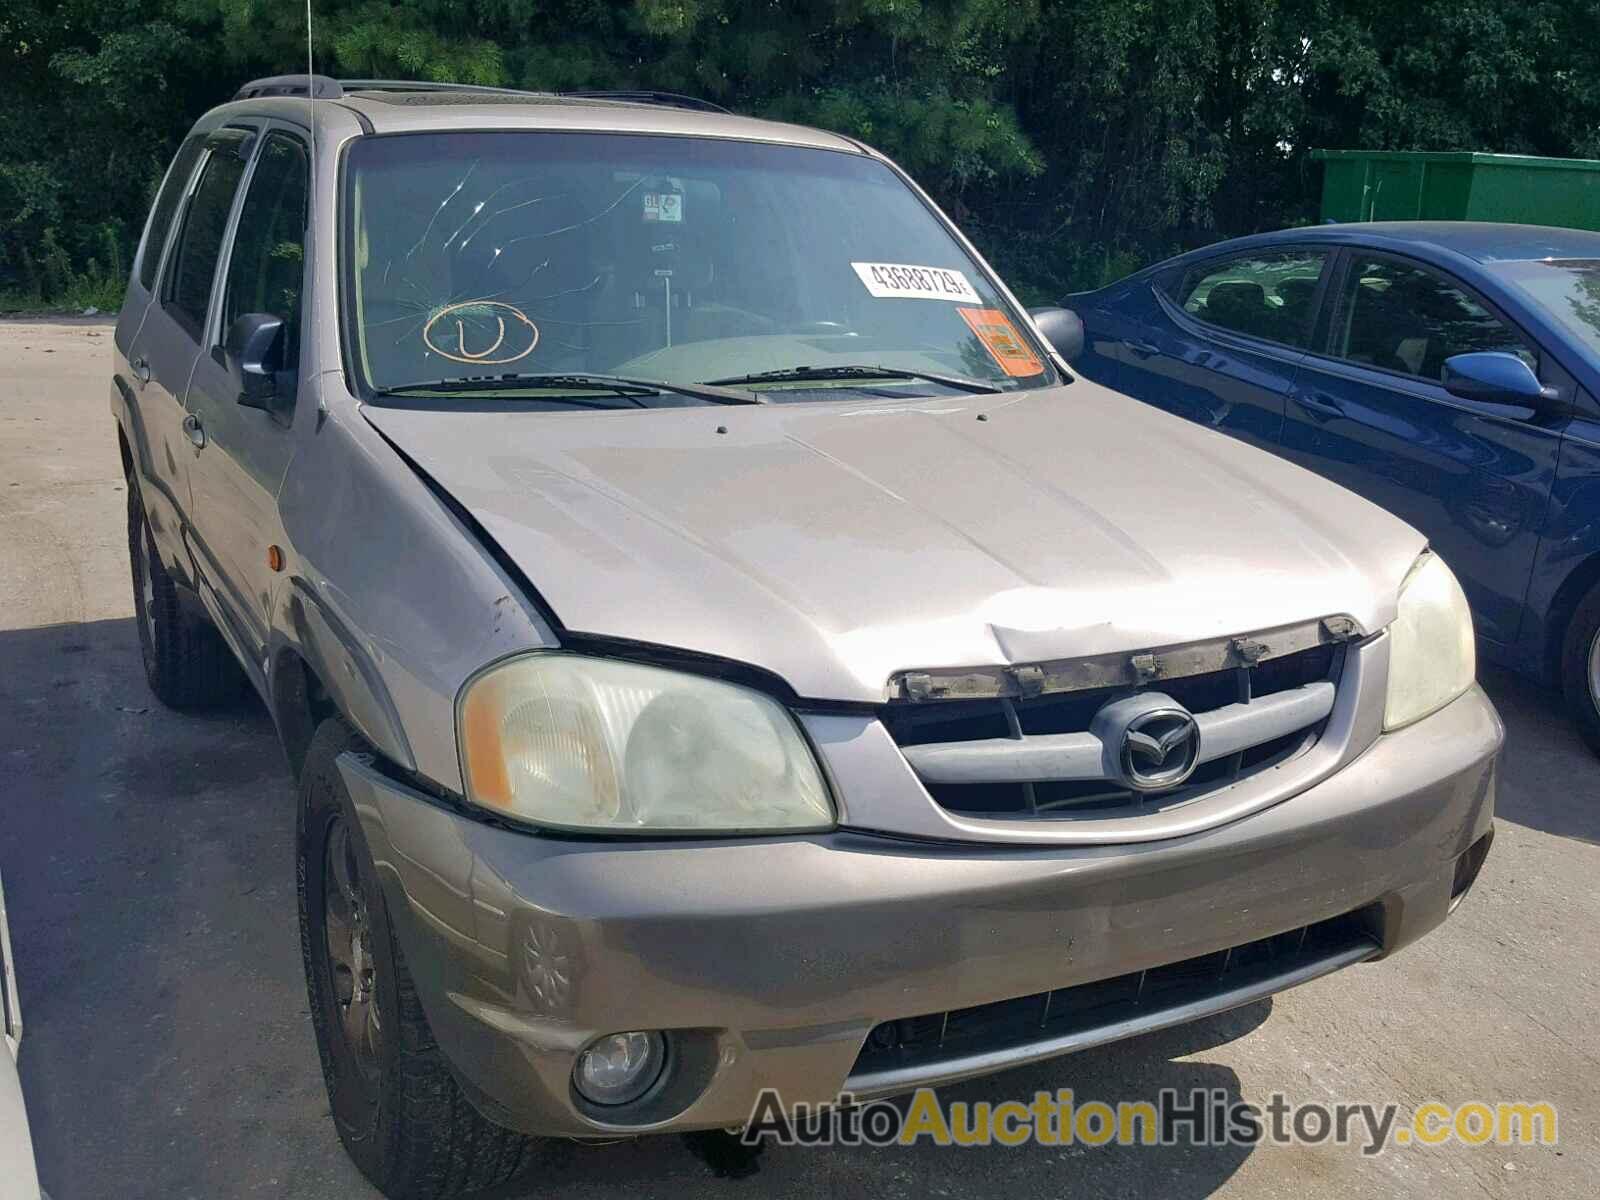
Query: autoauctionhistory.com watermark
(1209,1117)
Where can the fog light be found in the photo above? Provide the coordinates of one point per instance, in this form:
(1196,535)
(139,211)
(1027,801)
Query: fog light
(620,1067)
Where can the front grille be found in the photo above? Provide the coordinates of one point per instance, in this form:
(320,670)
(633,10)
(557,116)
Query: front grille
(1011,720)
(1071,1017)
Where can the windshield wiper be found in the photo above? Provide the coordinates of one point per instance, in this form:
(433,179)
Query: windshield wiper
(858,371)
(620,385)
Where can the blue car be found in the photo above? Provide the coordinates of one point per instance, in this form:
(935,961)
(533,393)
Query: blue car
(1447,371)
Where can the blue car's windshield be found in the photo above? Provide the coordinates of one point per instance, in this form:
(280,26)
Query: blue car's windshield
(1567,288)
(473,257)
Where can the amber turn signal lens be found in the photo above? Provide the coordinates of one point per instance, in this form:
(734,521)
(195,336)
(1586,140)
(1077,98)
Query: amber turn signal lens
(275,557)
(481,750)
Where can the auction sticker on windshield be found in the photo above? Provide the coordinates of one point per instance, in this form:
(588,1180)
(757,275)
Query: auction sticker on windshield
(902,281)
(1005,345)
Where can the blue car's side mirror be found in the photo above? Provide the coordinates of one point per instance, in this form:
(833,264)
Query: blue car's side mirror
(1062,328)
(1494,377)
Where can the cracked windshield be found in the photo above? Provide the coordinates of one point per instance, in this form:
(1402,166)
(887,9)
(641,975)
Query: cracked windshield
(529,265)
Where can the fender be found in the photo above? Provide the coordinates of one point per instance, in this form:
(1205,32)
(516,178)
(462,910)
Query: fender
(1567,564)
(395,619)
(307,627)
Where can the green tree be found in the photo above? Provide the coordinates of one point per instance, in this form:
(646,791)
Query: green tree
(1073,139)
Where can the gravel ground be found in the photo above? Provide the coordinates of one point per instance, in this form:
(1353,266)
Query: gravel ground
(148,868)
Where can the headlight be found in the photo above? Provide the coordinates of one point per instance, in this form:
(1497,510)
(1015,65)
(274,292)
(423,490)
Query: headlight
(601,745)
(1432,656)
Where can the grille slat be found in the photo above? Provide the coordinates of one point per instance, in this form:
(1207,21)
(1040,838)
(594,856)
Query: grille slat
(1034,756)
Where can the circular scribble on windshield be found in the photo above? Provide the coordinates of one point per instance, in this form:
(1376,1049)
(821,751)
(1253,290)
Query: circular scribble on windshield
(481,333)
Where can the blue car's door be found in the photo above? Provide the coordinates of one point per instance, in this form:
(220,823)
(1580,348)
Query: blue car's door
(1108,316)
(1220,341)
(1368,411)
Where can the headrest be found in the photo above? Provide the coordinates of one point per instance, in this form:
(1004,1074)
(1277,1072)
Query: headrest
(1236,298)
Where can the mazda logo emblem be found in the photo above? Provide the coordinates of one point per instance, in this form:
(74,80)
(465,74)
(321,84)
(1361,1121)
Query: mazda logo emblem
(1159,748)
(1152,742)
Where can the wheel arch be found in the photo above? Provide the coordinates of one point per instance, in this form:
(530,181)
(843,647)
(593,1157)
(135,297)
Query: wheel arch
(125,451)
(300,703)
(316,669)
(1578,583)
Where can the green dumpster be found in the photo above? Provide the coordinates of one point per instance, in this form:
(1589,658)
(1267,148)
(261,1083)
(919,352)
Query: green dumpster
(1398,185)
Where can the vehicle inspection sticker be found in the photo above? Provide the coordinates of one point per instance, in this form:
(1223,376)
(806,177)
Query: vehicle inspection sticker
(663,206)
(891,281)
(1001,339)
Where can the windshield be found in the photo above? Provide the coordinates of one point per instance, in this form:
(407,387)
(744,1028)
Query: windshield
(478,256)
(1567,288)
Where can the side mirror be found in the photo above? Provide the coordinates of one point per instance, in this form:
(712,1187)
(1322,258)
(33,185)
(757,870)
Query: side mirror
(1495,377)
(1062,328)
(253,352)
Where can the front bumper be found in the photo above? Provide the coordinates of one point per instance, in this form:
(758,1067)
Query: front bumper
(771,960)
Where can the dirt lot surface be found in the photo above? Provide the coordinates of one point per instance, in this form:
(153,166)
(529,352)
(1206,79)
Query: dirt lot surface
(147,861)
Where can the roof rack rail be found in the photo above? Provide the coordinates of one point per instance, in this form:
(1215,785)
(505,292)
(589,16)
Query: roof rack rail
(323,87)
(667,99)
(320,87)
(429,85)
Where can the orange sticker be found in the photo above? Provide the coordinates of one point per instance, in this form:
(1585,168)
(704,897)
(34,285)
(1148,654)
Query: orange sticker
(1000,337)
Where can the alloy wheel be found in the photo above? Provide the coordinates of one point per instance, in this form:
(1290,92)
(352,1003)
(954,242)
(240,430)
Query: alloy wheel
(147,584)
(348,940)
(1594,671)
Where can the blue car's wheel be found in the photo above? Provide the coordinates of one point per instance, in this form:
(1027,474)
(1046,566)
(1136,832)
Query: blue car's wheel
(1580,667)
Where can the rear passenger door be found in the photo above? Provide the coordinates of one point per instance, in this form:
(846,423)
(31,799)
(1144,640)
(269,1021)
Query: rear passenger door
(164,212)
(1225,338)
(239,461)
(162,346)
(1369,411)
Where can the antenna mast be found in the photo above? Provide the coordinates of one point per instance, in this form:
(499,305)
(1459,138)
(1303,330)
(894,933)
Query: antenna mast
(311,95)
(312,347)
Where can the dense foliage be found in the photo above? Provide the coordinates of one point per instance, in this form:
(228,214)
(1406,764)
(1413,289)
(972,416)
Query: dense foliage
(1072,138)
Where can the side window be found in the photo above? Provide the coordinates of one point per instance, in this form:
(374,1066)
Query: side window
(1265,295)
(1409,320)
(166,205)
(266,268)
(194,258)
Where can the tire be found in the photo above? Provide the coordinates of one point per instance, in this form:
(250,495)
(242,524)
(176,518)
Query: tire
(186,662)
(401,1115)
(1580,667)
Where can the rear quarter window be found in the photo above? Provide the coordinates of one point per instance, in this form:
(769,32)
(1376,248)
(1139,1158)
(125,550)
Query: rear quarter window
(165,207)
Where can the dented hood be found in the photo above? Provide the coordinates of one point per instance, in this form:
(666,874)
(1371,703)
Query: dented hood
(837,543)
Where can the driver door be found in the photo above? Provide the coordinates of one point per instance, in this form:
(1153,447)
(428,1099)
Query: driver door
(243,453)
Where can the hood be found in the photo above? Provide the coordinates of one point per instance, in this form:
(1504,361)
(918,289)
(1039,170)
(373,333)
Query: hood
(837,543)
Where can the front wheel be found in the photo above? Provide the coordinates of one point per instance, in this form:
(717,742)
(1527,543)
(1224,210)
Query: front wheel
(399,1112)
(1580,668)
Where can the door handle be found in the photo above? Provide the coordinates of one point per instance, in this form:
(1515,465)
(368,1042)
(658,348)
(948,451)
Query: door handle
(1320,403)
(195,430)
(141,369)
(1142,349)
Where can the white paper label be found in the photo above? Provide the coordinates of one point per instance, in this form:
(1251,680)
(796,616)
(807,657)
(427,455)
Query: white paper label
(890,281)
(663,206)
